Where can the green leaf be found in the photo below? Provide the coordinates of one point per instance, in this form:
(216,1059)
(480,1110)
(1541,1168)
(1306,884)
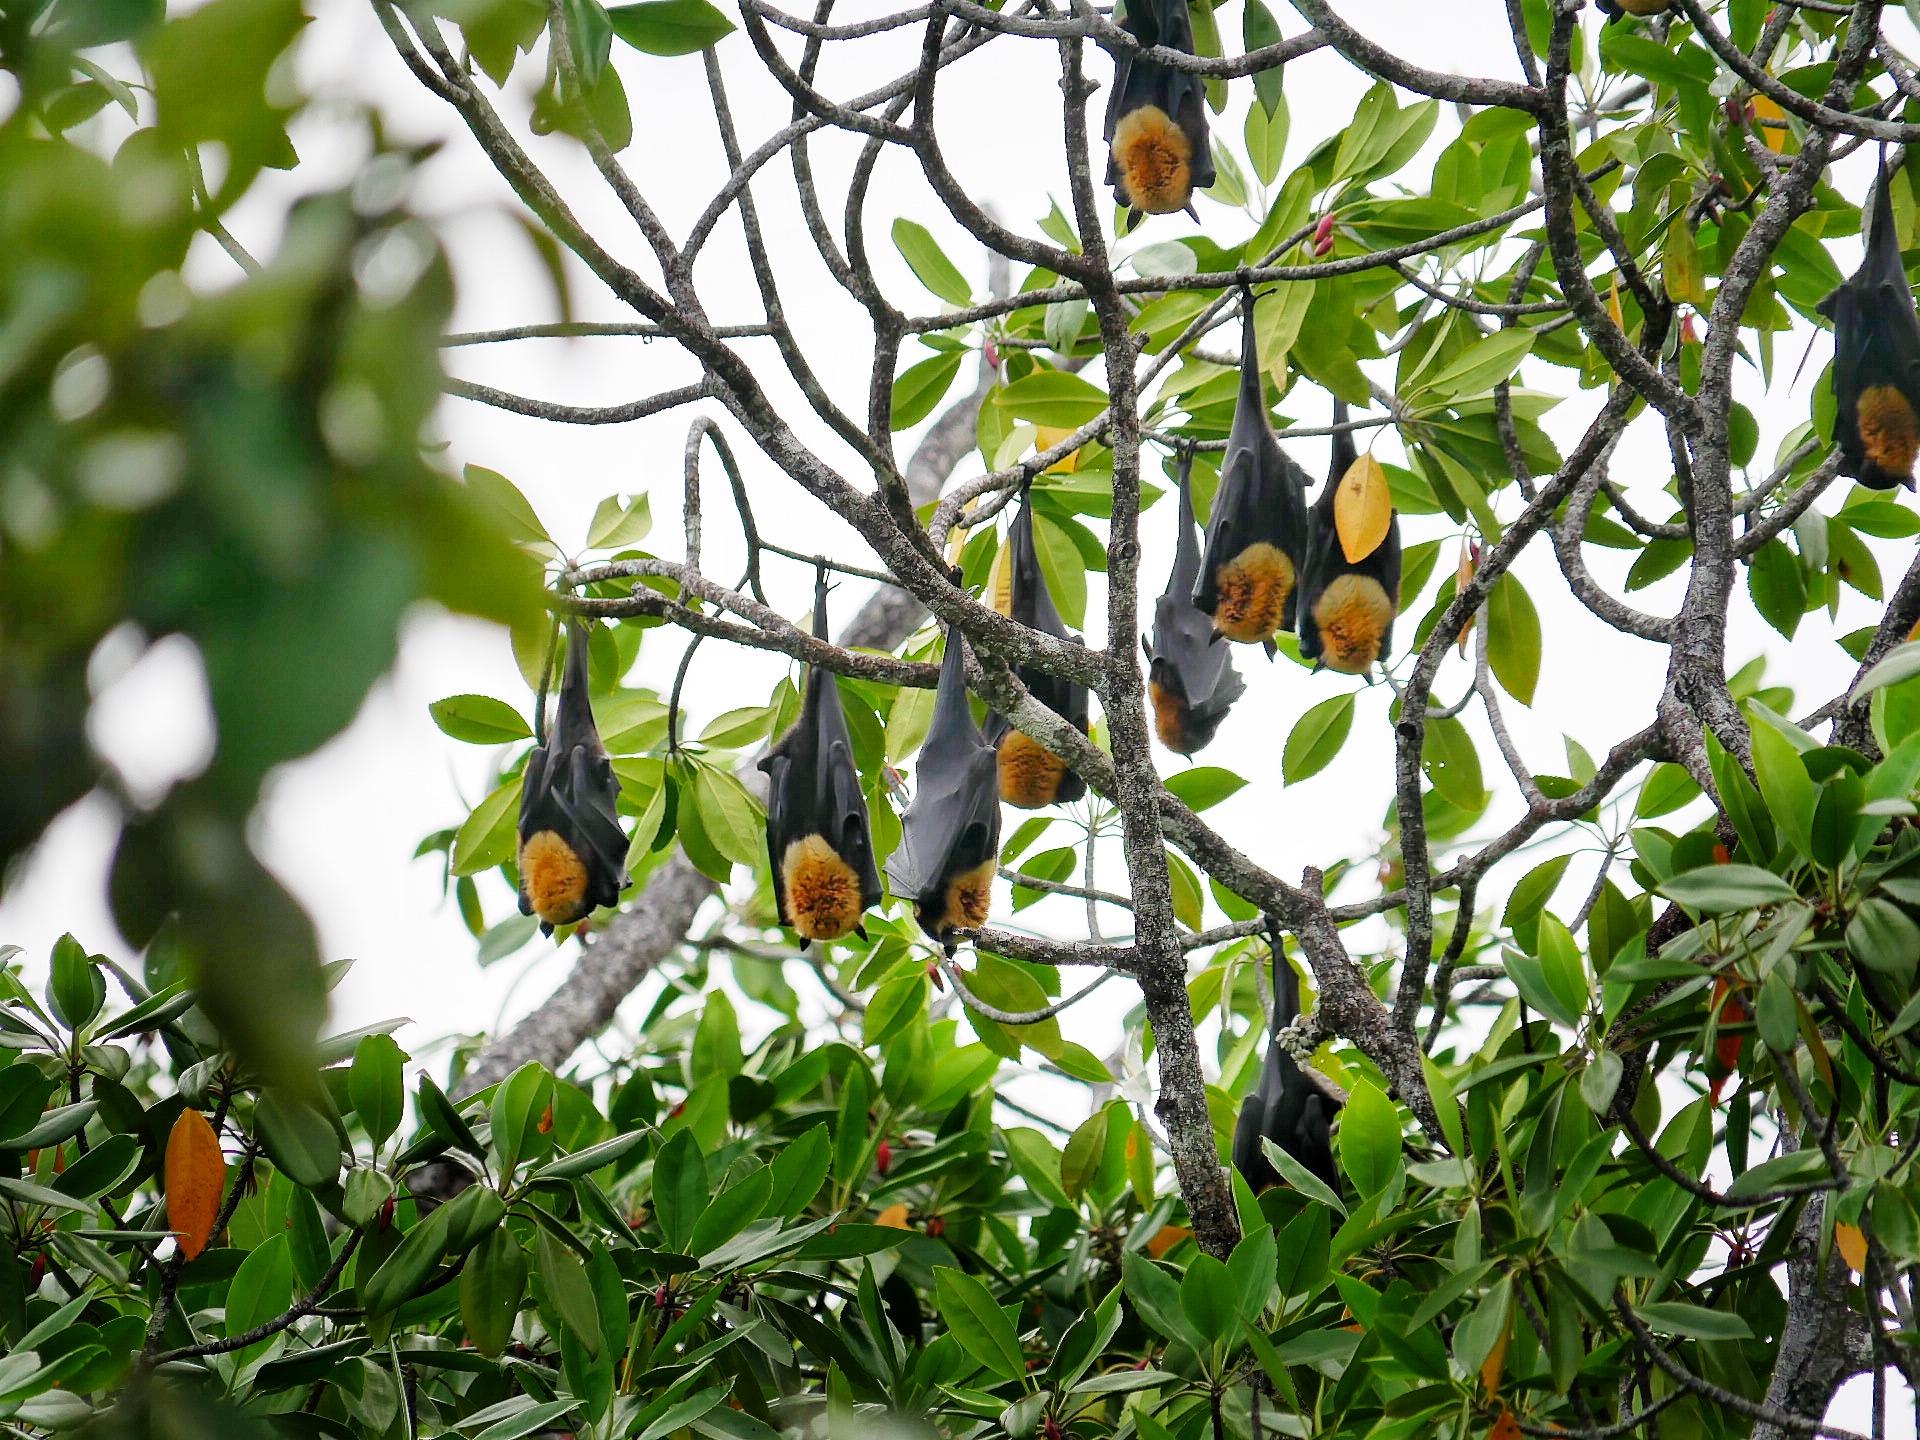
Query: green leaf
(297,1138)
(680,1188)
(376,1085)
(1797,1167)
(1676,1317)
(509,508)
(1301,1178)
(670,27)
(1317,736)
(1778,587)
(930,264)
(1369,1139)
(402,1273)
(1157,1297)
(731,1211)
(732,820)
(894,1006)
(1481,366)
(1204,786)
(716,1042)
(261,1288)
(1513,638)
(75,987)
(594,1157)
(1086,1148)
(683,1414)
(526,1421)
(1258,30)
(1784,785)
(918,388)
(1053,398)
(799,1170)
(1209,1299)
(479,719)
(1452,763)
(487,837)
(522,1103)
(1529,977)
(1715,888)
(1901,663)
(615,526)
(1882,937)
(977,1323)
(1667,788)
(567,1286)
(1560,965)
(1534,890)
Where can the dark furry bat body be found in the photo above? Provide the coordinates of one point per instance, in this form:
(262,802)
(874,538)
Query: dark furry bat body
(1032,776)
(1876,359)
(1156,130)
(572,852)
(1190,675)
(950,835)
(1285,1107)
(1347,606)
(819,839)
(1257,533)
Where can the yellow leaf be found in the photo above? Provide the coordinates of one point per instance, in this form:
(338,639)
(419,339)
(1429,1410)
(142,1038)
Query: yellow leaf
(1496,1362)
(1362,508)
(1045,438)
(1614,312)
(1507,1427)
(1853,1246)
(1774,137)
(1000,579)
(894,1215)
(196,1174)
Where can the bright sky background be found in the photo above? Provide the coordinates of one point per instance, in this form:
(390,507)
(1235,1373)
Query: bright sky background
(340,827)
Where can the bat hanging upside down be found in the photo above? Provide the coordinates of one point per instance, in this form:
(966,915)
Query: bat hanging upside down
(1032,776)
(819,835)
(1156,128)
(1190,675)
(1257,533)
(1347,606)
(1285,1107)
(950,835)
(572,853)
(1876,358)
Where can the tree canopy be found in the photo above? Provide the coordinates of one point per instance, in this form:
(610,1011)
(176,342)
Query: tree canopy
(1618,1053)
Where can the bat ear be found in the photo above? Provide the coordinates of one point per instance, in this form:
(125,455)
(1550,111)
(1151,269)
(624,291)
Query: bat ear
(1269,647)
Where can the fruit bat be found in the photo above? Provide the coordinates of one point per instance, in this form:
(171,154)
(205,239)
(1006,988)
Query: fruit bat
(1346,606)
(950,835)
(1156,128)
(1032,776)
(1256,536)
(819,840)
(572,851)
(1614,9)
(1190,676)
(1876,359)
(1285,1107)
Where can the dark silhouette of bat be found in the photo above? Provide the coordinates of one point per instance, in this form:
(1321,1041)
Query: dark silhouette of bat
(1190,675)
(818,835)
(572,851)
(1032,776)
(1876,358)
(1156,129)
(1257,533)
(1285,1107)
(1347,606)
(950,835)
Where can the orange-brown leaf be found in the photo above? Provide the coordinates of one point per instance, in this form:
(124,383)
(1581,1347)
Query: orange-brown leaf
(1362,508)
(1507,1427)
(1000,579)
(1463,577)
(196,1174)
(1167,1237)
(894,1215)
(1496,1362)
(1853,1246)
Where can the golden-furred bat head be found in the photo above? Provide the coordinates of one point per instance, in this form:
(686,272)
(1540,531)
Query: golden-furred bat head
(553,878)
(1154,161)
(823,892)
(1353,613)
(1889,433)
(965,903)
(1253,590)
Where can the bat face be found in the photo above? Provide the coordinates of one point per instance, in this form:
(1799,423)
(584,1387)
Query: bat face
(1257,534)
(1030,775)
(819,837)
(1876,359)
(1347,606)
(1190,678)
(1156,127)
(572,852)
(950,835)
(1285,1106)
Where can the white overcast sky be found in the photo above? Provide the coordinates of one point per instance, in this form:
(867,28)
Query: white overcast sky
(999,115)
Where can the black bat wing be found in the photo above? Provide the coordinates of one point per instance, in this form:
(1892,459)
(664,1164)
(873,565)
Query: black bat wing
(953,824)
(1032,605)
(1285,1106)
(1185,658)
(595,793)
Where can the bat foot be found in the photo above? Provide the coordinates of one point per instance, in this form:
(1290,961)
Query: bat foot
(1270,648)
